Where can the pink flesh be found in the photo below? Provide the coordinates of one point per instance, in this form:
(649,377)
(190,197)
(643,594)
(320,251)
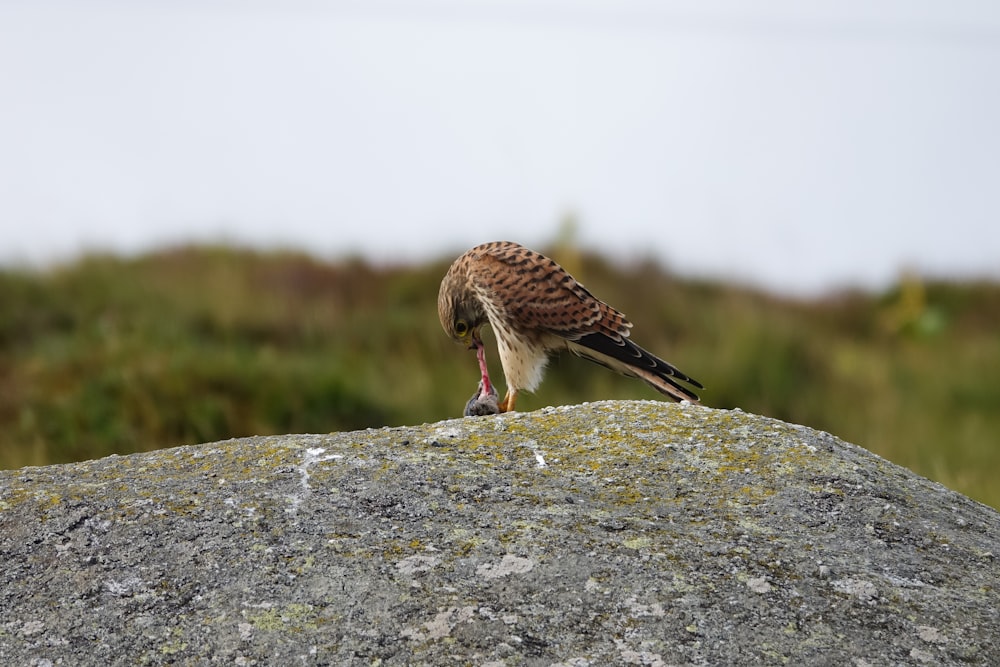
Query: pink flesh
(481,356)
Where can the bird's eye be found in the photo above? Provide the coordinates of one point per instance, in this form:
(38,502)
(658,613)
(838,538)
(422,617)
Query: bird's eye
(461,327)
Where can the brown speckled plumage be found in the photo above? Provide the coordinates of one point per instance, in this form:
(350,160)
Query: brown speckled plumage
(535,308)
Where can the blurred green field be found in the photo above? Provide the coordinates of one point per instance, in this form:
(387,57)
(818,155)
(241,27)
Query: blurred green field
(111,355)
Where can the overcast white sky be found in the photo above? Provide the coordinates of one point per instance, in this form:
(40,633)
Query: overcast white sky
(802,146)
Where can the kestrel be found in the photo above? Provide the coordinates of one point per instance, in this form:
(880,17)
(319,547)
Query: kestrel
(536,308)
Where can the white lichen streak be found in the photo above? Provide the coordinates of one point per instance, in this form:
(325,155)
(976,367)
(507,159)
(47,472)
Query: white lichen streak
(312,455)
(540,459)
(449,432)
(630,656)
(509,564)
(441,626)
(416,564)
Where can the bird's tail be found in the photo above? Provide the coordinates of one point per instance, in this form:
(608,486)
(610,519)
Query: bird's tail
(625,357)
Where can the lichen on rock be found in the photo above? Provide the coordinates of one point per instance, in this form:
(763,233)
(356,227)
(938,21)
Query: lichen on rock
(605,533)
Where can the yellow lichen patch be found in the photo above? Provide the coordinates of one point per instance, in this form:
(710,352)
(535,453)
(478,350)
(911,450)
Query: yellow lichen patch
(17,495)
(304,564)
(465,548)
(463,541)
(293,617)
(638,542)
(522,531)
(172,647)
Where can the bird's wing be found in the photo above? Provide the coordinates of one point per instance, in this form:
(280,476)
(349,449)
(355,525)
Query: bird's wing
(538,294)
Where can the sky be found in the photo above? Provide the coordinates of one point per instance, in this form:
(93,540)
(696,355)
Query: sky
(800,147)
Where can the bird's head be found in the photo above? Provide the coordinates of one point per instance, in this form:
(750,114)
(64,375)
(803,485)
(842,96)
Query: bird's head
(462,316)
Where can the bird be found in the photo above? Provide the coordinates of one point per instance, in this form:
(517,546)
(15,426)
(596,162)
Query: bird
(536,308)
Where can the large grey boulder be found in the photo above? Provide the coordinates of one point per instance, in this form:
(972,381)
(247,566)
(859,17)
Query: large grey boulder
(637,533)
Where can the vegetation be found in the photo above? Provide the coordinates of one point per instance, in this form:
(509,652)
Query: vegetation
(112,355)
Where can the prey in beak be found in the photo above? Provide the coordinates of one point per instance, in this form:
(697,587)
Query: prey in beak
(484,401)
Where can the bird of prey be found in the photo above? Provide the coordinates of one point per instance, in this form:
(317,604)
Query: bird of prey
(536,308)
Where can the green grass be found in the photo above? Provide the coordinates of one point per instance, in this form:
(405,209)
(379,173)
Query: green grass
(111,355)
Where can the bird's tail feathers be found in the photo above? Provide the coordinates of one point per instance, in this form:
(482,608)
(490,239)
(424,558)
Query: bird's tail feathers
(627,358)
(667,386)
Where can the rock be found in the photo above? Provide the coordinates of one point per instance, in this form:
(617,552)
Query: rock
(638,533)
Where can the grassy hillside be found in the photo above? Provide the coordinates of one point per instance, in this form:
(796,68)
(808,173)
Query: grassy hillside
(199,344)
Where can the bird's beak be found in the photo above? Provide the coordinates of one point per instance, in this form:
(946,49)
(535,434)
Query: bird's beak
(475,342)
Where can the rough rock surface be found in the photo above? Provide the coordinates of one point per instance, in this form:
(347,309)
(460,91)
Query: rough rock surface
(637,533)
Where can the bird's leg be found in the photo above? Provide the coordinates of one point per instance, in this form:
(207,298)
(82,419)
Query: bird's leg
(507,404)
